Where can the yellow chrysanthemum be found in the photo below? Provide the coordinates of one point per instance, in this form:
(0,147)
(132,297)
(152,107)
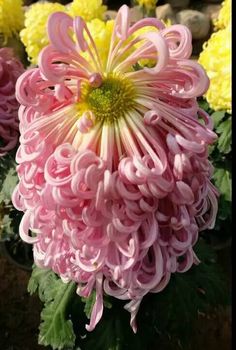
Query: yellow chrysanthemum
(147,3)
(216,59)
(11,17)
(101,33)
(34,35)
(224,16)
(88,10)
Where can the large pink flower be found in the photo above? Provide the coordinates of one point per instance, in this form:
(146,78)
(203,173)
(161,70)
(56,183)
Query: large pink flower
(10,69)
(113,168)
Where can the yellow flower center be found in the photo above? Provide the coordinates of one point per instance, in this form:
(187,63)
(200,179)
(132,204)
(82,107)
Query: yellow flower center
(111,100)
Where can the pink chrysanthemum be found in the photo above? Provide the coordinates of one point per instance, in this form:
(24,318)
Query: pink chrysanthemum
(113,168)
(10,69)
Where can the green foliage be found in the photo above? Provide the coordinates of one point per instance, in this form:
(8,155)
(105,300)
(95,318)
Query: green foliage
(224,129)
(6,164)
(221,157)
(108,335)
(223,182)
(9,217)
(8,185)
(170,314)
(217,117)
(56,328)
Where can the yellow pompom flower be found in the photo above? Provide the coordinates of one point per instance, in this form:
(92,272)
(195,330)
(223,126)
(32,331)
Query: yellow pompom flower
(34,35)
(88,10)
(224,16)
(216,59)
(149,4)
(11,17)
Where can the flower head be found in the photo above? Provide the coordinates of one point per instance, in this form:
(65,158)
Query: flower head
(10,23)
(87,10)
(10,69)
(34,35)
(216,59)
(224,18)
(113,168)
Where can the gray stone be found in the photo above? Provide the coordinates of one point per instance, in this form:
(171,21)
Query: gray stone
(179,4)
(197,22)
(135,14)
(165,12)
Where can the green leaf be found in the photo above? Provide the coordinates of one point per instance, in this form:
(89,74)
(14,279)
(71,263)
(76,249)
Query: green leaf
(225,138)
(174,311)
(203,104)
(217,117)
(223,182)
(89,303)
(38,281)
(170,314)
(5,227)
(9,220)
(8,184)
(56,329)
(6,163)
(107,336)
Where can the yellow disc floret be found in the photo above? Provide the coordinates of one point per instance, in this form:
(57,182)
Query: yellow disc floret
(34,35)
(11,17)
(88,10)
(111,100)
(216,59)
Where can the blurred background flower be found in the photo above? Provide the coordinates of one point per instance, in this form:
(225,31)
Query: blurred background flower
(216,59)
(87,10)
(10,69)
(34,35)
(11,18)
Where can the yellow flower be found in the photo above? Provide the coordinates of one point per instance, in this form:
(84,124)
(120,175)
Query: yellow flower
(216,59)
(147,3)
(11,17)
(34,35)
(88,10)
(224,16)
